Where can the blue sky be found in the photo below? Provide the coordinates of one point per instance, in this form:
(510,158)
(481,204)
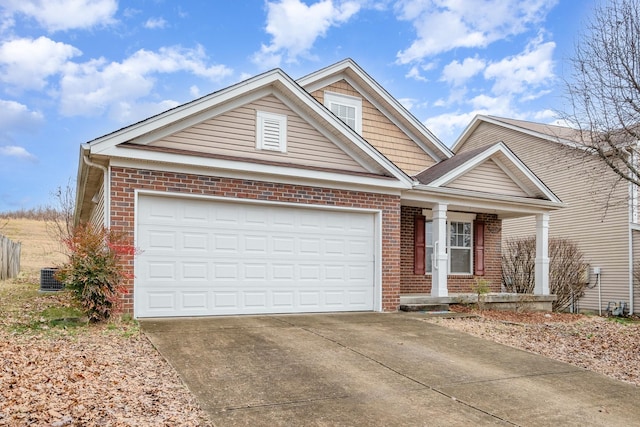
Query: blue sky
(73,70)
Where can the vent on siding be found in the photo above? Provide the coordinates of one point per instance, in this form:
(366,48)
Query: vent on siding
(271,132)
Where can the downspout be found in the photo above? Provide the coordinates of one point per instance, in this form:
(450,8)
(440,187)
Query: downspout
(107,188)
(633,219)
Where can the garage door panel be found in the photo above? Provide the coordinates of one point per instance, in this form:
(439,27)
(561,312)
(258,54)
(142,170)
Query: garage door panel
(209,257)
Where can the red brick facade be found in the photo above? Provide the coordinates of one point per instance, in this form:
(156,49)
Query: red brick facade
(411,283)
(124,181)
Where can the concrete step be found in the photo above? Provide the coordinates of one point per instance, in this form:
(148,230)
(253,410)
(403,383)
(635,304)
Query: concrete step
(424,307)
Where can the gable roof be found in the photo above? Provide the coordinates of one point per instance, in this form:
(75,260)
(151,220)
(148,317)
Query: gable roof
(450,170)
(350,71)
(274,82)
(558,134)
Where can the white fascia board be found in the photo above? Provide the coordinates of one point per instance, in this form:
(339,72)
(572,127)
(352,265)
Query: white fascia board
(196,118)
(345,130)
(180,163)
(182,117)
(513,177)
(184,111)
(330,136)
(336,72)
(475,122)
(507,206)
(481,157)
(404,129)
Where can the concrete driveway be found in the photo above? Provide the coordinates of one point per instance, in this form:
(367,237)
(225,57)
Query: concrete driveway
(377,369)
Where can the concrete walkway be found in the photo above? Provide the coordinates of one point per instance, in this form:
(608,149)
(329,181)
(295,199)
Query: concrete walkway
(377,369)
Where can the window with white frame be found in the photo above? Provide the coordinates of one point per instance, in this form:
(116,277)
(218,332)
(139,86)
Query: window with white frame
(459,244)
(271,131)
(346,108)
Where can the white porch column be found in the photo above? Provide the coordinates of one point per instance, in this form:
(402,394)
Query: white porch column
(440,264)
(542,254)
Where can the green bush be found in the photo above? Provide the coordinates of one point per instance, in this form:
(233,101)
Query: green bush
(95,272)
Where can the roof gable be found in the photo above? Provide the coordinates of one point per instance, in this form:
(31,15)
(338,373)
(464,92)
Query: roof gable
(492,169)
(349,72)
(233,134)
(557,134)
(153,131)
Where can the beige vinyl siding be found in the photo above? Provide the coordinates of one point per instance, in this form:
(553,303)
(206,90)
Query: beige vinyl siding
(234,134)
(488,177)
(96,218)
(596,217)
(380,132)
(636,265)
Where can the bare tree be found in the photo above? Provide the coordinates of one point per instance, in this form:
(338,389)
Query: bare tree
(566,269)
(604,88)
(60,220)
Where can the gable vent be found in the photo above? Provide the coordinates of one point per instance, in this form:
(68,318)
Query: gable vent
(271,131)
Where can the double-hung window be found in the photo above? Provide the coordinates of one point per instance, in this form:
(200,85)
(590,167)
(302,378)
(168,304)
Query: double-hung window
(346,108)
(459,244)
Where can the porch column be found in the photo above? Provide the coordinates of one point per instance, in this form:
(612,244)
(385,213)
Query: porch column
(440,264)
(542,254)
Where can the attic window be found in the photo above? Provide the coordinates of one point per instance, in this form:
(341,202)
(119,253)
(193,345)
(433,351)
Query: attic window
(346,108)
(271,131)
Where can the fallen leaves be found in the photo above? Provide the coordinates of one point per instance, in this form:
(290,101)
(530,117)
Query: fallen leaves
(591,342)
(93,377)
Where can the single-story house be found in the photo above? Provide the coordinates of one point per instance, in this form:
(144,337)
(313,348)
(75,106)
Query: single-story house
(320,194)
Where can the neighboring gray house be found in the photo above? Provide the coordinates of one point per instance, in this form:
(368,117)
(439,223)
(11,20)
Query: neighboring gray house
(601,212)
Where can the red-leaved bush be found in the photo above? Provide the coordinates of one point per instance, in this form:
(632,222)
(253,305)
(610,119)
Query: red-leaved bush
(94,272)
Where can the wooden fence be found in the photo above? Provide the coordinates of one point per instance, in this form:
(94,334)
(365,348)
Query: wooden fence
(9,258)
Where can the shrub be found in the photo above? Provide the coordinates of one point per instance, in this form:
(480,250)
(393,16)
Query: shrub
(481,287)
(566,267)
(95,271)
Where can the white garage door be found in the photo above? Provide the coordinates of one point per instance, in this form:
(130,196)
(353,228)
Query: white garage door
(202,257)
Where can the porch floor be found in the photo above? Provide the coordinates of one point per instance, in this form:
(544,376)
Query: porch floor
(493,300)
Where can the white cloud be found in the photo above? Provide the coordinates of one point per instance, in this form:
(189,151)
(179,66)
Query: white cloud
(16,116)
(96,86)
(61,15)
(295,26)
(414,73)
(27,63)
(443,25)
(16,151)
(127,112)
(407,103)
(520,73)
(194,91)
(457,73)
(449,125)
(156,23)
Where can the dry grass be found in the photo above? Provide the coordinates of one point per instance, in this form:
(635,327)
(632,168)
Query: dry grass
(39,247)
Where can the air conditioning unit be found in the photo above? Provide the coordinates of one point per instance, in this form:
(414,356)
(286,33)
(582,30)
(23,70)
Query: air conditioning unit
(48,281)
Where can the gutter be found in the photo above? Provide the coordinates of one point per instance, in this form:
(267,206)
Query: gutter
(107,187)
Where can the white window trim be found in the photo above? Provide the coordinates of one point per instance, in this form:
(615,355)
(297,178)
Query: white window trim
(280,120)
(346,100)
(452,217)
